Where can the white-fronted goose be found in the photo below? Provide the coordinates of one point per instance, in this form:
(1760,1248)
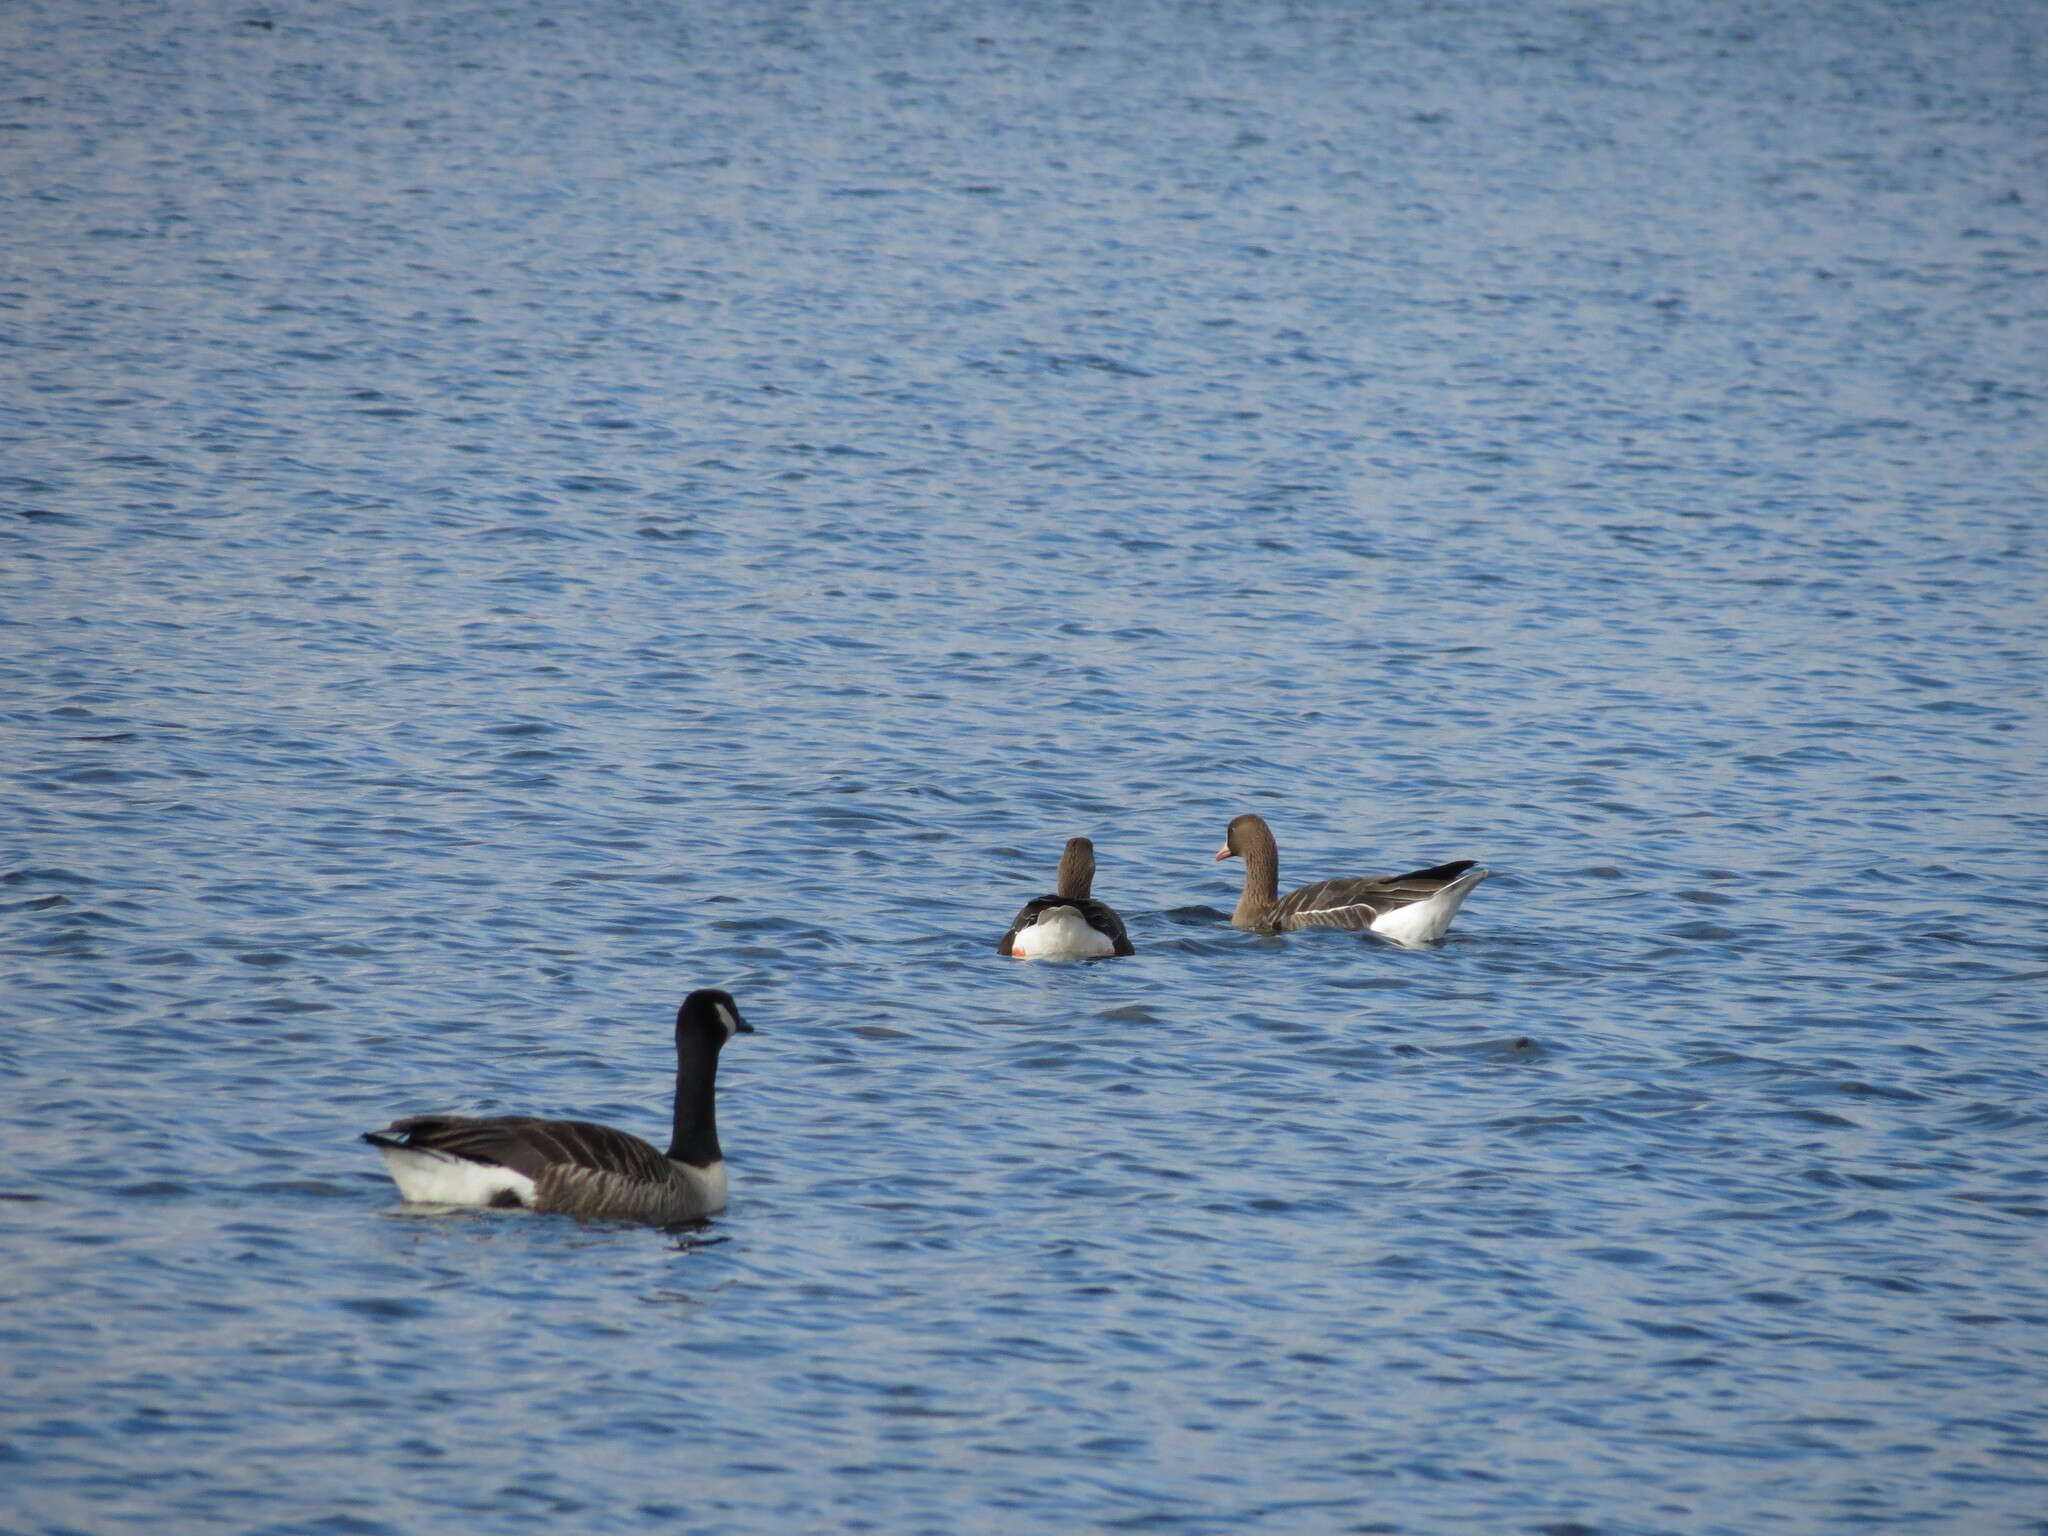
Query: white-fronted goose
(1414,908)
(1070,925)
(572,1166)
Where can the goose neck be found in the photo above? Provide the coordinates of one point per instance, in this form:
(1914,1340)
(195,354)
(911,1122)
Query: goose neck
(1077,870)
(695,1140)
(1261,875)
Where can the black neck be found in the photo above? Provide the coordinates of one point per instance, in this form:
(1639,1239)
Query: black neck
(696,1130)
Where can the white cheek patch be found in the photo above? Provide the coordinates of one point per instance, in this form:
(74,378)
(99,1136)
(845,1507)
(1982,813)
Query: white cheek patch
(729,1019)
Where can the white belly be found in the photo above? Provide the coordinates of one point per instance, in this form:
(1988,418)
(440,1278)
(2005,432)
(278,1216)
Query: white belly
(1424,922)
(1061,933)
(434,1178)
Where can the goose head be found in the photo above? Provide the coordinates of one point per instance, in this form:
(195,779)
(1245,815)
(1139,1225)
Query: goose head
(710,1015)
(1247,833)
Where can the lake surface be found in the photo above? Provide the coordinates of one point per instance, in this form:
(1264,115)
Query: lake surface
(516,512)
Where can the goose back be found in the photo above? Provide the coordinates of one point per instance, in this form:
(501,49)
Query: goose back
(1096,915)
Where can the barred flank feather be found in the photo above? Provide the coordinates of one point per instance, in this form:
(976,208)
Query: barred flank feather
(1354,904)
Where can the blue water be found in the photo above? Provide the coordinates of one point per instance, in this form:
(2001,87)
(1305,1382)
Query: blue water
(515,512)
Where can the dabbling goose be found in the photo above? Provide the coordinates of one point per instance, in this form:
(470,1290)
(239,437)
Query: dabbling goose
(572,1166)
(1069,925)
(1414,908)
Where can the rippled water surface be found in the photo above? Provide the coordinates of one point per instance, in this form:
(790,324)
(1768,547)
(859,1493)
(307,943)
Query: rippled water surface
(515,512)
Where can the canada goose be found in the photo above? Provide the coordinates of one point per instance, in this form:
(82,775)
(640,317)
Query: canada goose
(1414,908)
(572,1166)
(1069,925)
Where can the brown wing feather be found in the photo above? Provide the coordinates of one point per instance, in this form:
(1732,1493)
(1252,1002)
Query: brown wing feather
(534,1147)
(1103,919)
(1353,904)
